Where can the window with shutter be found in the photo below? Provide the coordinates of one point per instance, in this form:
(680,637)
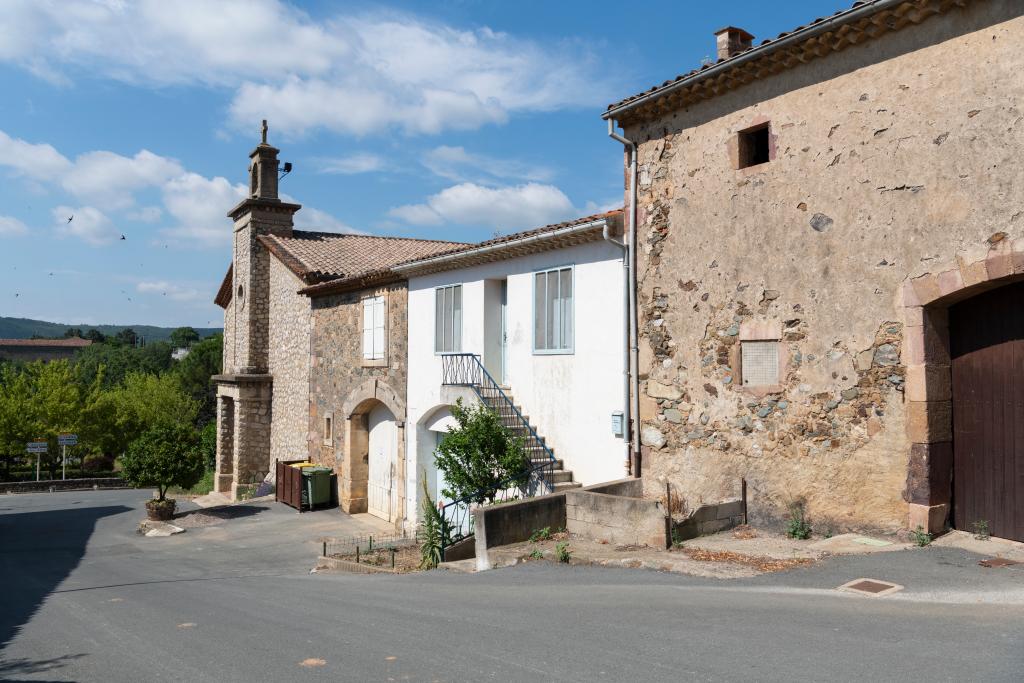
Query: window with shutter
(448,319)
(553,328)
(374,328)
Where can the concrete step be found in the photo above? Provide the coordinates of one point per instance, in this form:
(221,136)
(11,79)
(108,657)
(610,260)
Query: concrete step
(560,477)
(561,486)
(557,464)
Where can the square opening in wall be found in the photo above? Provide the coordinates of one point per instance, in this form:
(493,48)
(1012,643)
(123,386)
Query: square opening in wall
(760,363)
(754,146)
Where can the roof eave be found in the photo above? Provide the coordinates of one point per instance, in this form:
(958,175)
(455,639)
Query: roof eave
(853,14)
(434,264)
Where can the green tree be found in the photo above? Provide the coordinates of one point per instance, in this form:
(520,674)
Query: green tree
(16,424)
(126,337)
(95,336)
(479,456)
(118,361)
(183,337)
(164,456)
(195,371)
(73,332)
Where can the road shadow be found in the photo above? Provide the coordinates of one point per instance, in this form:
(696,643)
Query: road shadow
(9,668)
(38,550)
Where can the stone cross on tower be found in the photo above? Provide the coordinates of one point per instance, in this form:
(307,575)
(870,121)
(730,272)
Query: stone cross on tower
(263,169)
(263,133)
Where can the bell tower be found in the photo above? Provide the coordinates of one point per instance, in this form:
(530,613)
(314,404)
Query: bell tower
(245,390)
(261,213)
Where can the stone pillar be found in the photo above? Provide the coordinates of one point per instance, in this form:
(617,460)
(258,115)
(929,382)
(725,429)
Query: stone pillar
(929,419)
(224,469)
(355,465)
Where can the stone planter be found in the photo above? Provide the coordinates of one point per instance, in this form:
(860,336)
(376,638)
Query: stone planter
(160,510)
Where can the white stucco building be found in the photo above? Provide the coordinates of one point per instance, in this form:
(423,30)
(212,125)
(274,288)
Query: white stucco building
(544,313)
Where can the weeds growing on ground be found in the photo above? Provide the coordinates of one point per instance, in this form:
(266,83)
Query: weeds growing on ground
(563,552)
(537,554)
(798,526)
(981,529)
(542,534)
(920,536)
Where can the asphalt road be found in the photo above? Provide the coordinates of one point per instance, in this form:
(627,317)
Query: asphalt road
(83,598)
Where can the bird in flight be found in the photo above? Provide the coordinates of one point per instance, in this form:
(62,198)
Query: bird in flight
(123,237)
(71,218)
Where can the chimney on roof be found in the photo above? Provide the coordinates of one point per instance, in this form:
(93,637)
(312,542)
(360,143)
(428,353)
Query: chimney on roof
(732,41)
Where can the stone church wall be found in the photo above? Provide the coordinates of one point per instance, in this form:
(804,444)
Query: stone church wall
(890,161)
(289,364)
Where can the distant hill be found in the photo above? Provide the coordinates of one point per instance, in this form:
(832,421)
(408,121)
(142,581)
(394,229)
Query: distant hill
(23,328)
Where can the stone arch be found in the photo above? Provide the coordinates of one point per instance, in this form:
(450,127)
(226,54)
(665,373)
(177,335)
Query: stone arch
(353,480)
(926,300)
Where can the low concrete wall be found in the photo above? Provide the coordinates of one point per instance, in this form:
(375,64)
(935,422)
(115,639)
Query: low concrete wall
(634,488)
(616,519)
(63,485)
(709,519)
(460,550)
(506,523)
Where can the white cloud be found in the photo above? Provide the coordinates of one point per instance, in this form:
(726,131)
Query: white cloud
(508,208)
(309,218)
(38,162)
(362,162)
(351,73)
(200,206)
(10,226)
(88,223)
(455,163)
(146,214)
(111,179)
(170,290)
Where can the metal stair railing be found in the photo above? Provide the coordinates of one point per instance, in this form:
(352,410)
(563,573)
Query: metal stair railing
(466,370)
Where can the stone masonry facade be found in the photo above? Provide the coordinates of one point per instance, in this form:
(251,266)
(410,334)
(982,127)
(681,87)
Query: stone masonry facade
(888,188)
(289,347)
(344,386)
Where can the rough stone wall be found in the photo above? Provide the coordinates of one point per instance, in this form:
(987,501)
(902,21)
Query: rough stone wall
(289,325)
(888,160)
(228,357)
(242,254)
(337,367)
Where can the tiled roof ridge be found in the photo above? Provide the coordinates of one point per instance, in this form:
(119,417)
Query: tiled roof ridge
(327,233)
(512,237)
(768,46)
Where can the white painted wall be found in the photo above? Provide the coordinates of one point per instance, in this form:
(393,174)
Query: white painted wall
(568,398)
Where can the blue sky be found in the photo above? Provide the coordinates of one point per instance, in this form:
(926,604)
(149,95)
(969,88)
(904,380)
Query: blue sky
(453,119)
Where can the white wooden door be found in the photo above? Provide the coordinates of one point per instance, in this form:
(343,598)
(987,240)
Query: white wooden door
(383,438)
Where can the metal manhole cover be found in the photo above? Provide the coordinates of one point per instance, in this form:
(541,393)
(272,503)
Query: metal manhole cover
(873,587)
(998,562)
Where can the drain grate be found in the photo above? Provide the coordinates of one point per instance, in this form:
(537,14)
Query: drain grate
(873,587)
(998,562)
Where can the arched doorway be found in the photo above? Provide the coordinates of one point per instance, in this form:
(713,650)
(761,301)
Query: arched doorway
(382,462)
(434,427)
(986,334)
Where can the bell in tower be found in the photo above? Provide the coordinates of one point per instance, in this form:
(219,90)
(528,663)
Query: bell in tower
(263,169)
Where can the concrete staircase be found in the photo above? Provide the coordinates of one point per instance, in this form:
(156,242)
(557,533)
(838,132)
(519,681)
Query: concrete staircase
(561,478)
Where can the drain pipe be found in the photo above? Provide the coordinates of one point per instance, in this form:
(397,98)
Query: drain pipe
(606,234)
(634,354)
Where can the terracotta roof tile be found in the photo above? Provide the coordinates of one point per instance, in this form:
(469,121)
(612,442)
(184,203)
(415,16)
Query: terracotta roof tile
(73,342)
(320,256)
(516,236)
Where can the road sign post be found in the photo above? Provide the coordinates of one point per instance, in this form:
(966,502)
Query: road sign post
(65,440)
(37,447)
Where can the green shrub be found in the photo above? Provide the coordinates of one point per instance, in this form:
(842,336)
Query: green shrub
(540,535)
(164,456)
(208,443)
(563,553)
(797,525)
(920,537)
(479,455)
(433,530)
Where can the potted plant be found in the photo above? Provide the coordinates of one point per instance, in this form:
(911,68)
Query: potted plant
(164,456)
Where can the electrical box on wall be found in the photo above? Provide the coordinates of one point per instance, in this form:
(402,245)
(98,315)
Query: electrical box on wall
(617,426)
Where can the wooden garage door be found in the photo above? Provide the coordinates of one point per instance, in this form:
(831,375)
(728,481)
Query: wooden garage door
(987,349)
